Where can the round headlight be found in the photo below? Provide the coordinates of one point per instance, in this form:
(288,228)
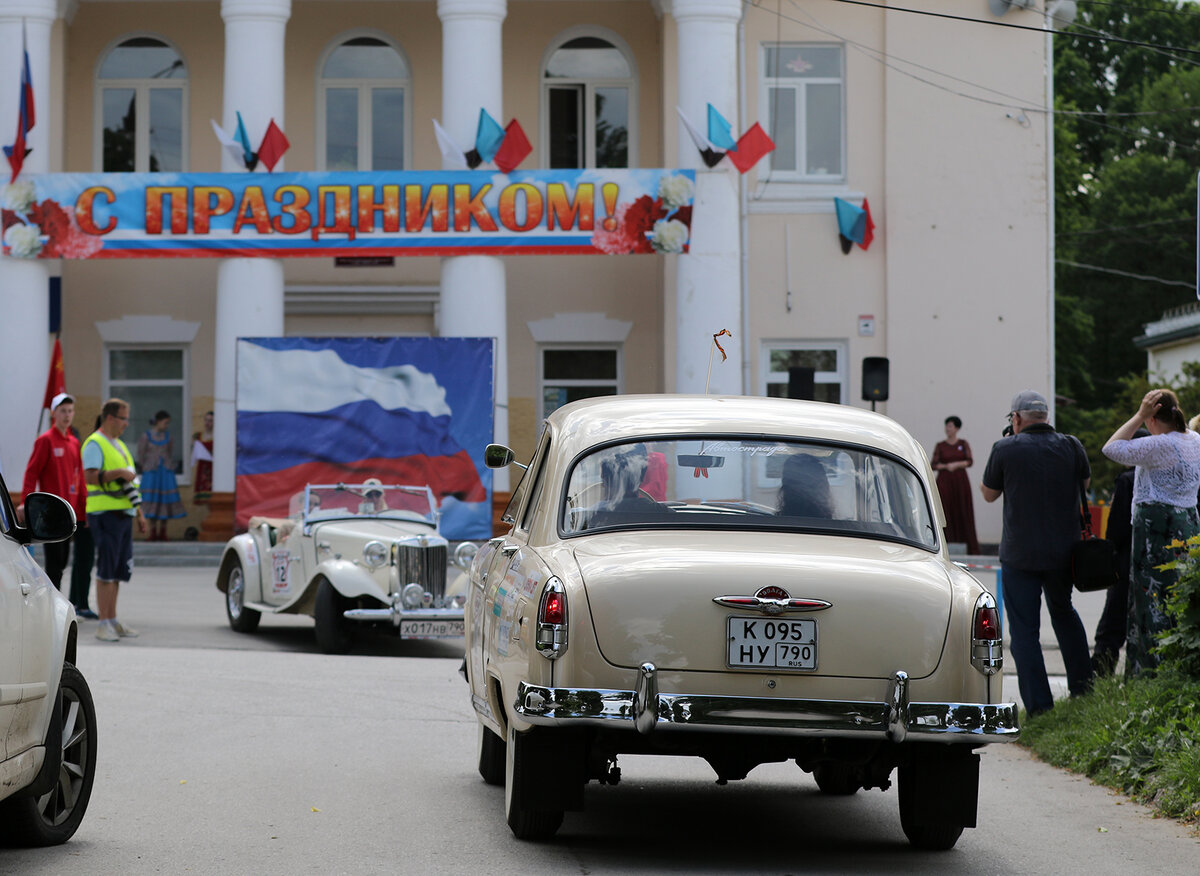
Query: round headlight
(464,554)
(413,595)
(375,554)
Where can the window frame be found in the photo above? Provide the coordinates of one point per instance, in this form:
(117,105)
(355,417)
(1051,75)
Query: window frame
(799,85)
(617,383)
(589,96)
(839,377)
(181,423)
(364,88)
(142,89)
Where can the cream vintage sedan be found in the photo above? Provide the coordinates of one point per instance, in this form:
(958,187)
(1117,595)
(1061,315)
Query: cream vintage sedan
(349,555)
(746,580)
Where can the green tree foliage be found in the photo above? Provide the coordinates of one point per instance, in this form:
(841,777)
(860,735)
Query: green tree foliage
(1125,187)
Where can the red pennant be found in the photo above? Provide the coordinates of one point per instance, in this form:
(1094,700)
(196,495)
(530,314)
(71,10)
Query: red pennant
(869,234)
(274,144)
(55,381)
(514,149)
(753,145)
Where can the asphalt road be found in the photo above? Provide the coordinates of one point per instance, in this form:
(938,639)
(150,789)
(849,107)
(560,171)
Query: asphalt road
(229,754)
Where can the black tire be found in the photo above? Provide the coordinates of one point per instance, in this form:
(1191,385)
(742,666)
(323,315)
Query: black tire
(333,630)
(491,756)
(837,779)
(241,619)
(923,832)
(524,821)
(51,818)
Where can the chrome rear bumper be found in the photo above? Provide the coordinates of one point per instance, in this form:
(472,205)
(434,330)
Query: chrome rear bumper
(647,710)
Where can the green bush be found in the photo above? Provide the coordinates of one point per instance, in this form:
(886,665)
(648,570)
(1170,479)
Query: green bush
(1180,647)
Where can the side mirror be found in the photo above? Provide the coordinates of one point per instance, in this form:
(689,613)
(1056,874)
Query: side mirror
(48,518)
(499,456)
(464,554)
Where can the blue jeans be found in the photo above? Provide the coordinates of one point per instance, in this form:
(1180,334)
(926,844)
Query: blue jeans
(1023,589)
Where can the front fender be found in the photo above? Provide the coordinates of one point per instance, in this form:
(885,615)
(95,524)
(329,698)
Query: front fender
(351,580)
(244,550)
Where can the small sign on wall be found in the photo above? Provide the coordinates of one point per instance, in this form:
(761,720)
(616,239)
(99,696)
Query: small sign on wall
(866,325)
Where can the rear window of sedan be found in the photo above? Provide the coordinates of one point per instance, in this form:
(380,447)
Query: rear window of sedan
(743,483)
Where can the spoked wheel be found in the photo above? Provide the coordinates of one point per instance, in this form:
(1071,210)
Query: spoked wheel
(54,816)
(491,756)
(241,619)
(924,829)
(525,821)
(333,630)
(837,779)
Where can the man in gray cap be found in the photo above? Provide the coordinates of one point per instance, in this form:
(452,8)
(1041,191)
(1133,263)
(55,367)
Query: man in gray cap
(1039,472)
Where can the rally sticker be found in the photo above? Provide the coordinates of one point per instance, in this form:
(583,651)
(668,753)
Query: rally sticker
(280,565)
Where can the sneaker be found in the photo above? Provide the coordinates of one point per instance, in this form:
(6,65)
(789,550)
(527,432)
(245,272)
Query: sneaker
(125,632)
(86,614)
(107,633)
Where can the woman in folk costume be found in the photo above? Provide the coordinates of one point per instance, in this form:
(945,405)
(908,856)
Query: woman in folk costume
(160,491)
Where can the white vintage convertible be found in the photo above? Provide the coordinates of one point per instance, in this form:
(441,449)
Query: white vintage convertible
(348,555)
(746,580)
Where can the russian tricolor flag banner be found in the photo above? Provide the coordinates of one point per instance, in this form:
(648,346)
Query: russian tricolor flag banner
(327,410)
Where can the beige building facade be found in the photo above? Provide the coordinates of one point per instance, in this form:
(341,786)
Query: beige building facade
(936,121)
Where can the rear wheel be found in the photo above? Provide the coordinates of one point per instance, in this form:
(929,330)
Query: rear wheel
(924,828)
(491,756)
(241,619)
(525,821)
(53,817)
(333,630)
(837,779)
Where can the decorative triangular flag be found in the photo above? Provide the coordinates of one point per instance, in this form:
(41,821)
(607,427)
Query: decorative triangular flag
(720,132)
(25,115)
(273,145)
(852,223)
(452,153)
(710,155)
(751,146)
(488,136)
(514,149)
(232,146)
(248,157)
(869,228)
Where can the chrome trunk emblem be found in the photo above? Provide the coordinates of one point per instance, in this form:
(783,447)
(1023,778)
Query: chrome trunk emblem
(772,600)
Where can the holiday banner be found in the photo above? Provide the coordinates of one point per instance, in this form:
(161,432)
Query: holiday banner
(285,215)
(409,411)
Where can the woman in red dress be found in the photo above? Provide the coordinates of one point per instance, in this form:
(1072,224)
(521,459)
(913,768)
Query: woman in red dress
(951,459)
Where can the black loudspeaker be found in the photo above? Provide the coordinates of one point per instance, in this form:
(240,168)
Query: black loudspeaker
(801,383)
(875,378)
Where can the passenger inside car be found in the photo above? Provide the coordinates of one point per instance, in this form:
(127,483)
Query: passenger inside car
(805,489)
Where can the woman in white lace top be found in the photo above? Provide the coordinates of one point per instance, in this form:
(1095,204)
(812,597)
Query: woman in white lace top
(1165,483)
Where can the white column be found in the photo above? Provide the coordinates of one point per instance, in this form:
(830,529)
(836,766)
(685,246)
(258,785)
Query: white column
(249,291)
(708,278)
(473,295)
(24,283)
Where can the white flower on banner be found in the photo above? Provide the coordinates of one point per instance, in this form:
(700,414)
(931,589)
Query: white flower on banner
(18,196)
(669,235)
(23,241)
(675,191)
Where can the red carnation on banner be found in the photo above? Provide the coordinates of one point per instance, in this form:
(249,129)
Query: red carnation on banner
(65,239)
(633,220)
(513,149)
(274,144)
(56,381)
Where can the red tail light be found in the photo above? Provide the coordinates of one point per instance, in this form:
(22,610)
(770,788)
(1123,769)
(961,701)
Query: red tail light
(552,627)
(987,623)
(554,609)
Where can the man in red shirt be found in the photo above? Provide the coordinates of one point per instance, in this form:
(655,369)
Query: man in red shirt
(57,467)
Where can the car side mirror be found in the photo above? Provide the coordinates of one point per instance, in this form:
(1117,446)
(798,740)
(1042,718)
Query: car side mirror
(48,518)
(499,456)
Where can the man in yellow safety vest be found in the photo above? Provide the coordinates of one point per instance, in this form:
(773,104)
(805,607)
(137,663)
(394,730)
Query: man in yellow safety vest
(112,506)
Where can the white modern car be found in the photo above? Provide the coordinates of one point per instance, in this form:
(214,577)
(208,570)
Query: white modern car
(350,556)
(47,720)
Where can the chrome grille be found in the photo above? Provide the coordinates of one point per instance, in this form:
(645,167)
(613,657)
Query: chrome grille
(424,565)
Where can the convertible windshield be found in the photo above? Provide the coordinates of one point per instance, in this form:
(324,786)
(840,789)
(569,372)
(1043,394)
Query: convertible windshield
(369,499)
(732,483)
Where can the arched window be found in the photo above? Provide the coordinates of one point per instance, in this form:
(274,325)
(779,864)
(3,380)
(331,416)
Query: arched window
(141,108)
(588,89)
(362,106)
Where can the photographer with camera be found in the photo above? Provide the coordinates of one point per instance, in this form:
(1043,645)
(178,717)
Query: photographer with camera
(111,510)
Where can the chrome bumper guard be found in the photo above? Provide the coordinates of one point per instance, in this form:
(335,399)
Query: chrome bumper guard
(397,613)
(648,710)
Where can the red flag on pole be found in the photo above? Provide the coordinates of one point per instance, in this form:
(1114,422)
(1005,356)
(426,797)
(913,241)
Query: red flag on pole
(513,149)
(56,381)
(869,233)
(274,144)
(753,145)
